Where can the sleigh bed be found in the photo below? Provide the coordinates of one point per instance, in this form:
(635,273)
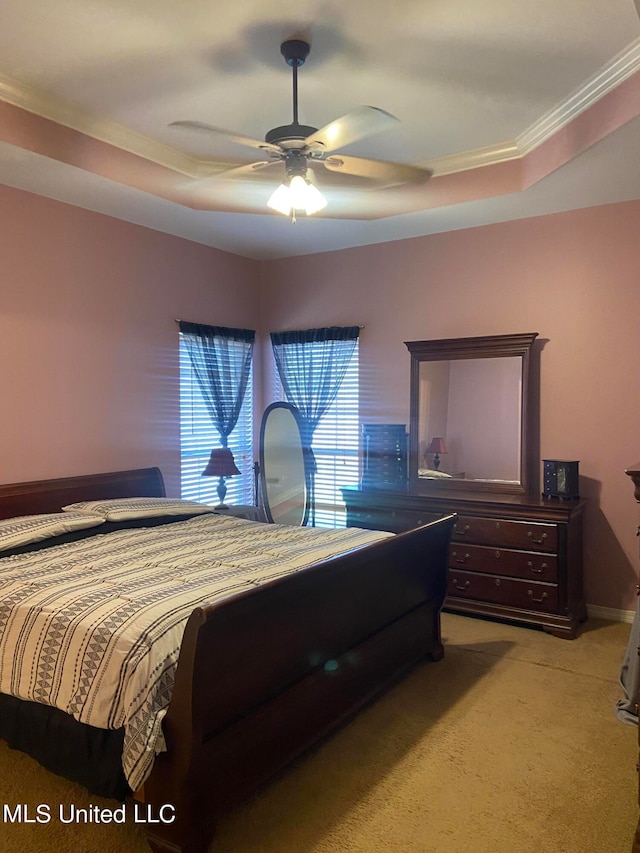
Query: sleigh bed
(263,672)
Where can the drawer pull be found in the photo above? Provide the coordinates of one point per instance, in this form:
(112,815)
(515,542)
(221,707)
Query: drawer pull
(533,598)
(537,541)
(457,585)
(460,532)
(534,569)
(462,559)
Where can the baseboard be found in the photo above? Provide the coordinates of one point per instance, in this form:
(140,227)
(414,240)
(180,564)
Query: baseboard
(610,613)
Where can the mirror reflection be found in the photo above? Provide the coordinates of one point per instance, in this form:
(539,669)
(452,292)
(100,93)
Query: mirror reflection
(469,419)
(469,413)
(283,473)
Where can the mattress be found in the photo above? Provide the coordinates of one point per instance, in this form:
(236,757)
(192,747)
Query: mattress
(93,627)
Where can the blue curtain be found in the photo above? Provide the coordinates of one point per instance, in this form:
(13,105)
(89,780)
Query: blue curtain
(221,361)
(311,365)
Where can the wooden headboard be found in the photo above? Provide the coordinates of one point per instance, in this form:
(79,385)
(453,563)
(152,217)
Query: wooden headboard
(51,495)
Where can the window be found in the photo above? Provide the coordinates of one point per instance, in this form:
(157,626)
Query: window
(198,437)
(335,445)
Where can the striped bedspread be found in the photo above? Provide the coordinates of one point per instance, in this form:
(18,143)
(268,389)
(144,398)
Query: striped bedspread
(94,627)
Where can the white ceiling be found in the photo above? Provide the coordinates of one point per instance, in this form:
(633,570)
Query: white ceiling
(519,108)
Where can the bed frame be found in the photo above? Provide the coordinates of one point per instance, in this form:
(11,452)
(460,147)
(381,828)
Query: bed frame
(249,699)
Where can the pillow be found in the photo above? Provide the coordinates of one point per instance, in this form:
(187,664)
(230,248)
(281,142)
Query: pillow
(432,474)
(24,529)
(116,509)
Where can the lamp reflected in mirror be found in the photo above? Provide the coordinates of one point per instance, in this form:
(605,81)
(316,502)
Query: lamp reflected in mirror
(221,464)
(436,446)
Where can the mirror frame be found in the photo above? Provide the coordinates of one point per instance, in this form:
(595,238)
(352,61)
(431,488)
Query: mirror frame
(489,346)
(305,461)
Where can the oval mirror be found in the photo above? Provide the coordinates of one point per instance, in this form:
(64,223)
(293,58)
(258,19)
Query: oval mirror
(283,471)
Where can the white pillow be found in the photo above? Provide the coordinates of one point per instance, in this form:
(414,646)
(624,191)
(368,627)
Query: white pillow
(25,529)
(432,474)
(120,509)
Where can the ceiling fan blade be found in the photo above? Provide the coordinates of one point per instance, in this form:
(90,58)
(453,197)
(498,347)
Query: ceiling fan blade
(248,170)
(380,171)
(238,138)
(343,131)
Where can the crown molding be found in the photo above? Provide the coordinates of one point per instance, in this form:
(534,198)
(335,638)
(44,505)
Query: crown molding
(62,112)
(609,77)
(620,68)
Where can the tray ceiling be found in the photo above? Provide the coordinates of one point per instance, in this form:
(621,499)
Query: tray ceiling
(518,108)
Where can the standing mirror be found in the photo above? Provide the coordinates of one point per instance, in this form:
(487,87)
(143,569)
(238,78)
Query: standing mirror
(284,477)
(469,412)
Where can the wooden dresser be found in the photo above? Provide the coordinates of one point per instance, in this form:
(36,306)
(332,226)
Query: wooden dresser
(634,473)
(513,557)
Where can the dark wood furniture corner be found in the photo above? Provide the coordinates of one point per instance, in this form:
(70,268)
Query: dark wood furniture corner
(634,472)
(513,557)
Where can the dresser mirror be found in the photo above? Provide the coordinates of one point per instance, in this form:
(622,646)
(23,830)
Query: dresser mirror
(469,411)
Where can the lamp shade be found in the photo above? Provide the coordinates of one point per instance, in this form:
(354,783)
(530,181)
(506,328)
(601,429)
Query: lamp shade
(221,463)
(436,446)
(297,194)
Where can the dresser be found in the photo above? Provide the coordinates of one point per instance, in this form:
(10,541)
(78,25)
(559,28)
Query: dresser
(512,557)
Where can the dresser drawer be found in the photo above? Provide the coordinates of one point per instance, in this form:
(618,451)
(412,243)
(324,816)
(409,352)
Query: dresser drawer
(508,591)
(531,536)
(510,557)
(503,561)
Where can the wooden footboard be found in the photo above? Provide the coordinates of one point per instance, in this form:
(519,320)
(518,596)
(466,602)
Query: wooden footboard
(264,675)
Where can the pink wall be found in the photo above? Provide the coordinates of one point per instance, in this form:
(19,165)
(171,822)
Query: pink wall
(571,277)
(89,343)
(88,339)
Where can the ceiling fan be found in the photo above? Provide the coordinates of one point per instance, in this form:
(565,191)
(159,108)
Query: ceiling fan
(298,146)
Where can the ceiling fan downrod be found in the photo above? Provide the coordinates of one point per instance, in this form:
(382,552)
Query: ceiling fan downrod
(295,51)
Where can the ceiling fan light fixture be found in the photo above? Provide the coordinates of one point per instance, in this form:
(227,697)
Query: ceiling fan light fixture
(297,194)
(280,200)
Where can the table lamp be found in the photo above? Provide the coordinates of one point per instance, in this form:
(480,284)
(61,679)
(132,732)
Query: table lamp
(221,464)
(436,447)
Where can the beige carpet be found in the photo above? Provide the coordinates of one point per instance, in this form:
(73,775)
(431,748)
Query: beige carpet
(510,744)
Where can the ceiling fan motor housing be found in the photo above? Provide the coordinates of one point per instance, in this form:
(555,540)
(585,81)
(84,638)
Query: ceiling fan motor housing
(289,132)
(295,164)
